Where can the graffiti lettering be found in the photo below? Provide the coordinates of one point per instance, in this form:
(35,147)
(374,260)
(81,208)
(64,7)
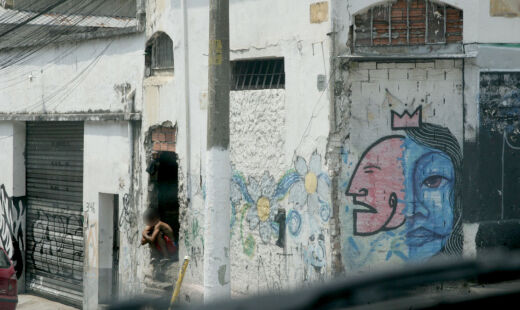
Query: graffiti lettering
(128,219)
(56,242)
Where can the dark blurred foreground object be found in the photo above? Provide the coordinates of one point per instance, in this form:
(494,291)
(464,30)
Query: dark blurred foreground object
(8,283)
(400,288)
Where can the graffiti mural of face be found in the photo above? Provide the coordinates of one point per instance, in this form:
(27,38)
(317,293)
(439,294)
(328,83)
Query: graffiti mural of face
(378,186)
(399,181)
(430,178)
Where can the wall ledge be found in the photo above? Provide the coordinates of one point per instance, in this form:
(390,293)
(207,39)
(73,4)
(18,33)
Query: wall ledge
(71,117)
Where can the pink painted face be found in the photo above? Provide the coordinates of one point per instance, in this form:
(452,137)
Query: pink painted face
(378,186)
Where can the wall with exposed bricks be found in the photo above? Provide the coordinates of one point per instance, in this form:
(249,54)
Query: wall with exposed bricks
(163,139)
(409,23)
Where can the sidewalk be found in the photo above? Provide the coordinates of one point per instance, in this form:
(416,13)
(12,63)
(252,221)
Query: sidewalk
(29,302)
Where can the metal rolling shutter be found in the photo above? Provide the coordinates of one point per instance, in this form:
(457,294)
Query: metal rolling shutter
(54,168)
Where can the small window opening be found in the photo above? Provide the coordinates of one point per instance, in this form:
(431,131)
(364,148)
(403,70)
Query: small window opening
(258,74)
(159,55)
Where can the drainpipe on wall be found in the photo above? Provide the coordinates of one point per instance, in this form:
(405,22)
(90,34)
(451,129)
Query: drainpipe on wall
(141,15)
(187,99)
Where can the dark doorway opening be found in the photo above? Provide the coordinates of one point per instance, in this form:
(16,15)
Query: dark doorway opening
(167,184)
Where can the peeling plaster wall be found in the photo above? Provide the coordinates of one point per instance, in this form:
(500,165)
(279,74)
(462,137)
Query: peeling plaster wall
(98,75)
(272,156)
(274,130)
(258,131)
(102,138)
(377,89)
(361,114)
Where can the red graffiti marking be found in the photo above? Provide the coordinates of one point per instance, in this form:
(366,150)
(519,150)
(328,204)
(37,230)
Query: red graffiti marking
(378,186)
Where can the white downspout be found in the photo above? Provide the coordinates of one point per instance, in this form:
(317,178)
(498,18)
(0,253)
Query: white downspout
(187,99)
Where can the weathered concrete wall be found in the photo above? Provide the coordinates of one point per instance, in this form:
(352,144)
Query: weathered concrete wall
(362,116)
(274,144)
(392,106)
(274,256)
(299,149)
(279,142)
(101,75)
(108,147)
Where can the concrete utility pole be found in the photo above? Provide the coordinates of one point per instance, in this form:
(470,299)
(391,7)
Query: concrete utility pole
(218,167)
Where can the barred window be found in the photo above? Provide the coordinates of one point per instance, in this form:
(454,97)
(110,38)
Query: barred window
(258,74)
(159,54)
(408,22)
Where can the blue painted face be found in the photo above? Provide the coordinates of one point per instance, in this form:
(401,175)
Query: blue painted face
(429,198)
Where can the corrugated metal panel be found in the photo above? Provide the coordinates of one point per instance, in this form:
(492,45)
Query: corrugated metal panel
(52,19)
(54,166)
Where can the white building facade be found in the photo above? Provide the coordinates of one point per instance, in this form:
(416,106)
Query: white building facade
(338,110)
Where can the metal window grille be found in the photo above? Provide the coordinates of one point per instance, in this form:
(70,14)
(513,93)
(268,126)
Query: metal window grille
(408,22)
(258,74)
(162,52)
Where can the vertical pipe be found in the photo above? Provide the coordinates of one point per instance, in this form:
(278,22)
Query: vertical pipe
(141,15)
(426,23)
(445,26)
(372,27)
(407,22)
(390,23)
(218,167)
(187,99)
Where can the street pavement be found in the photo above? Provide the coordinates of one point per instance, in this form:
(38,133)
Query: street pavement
(27,302)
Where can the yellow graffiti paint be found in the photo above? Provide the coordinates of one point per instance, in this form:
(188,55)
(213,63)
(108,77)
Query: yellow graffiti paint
(215,52)
(311,183)
(263,207)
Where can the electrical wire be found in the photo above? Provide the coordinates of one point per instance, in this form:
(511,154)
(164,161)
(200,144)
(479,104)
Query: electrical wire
(59,95)
(17,78)
(25,22)
(27,58)
(39,37)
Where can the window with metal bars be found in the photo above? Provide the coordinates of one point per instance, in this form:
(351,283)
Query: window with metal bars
(408,22)
(258,74)
(159,54)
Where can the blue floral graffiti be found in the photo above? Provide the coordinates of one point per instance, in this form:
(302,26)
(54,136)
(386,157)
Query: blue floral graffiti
(294,222)
(306,186)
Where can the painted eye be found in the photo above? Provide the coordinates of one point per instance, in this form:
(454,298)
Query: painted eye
(435,181)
